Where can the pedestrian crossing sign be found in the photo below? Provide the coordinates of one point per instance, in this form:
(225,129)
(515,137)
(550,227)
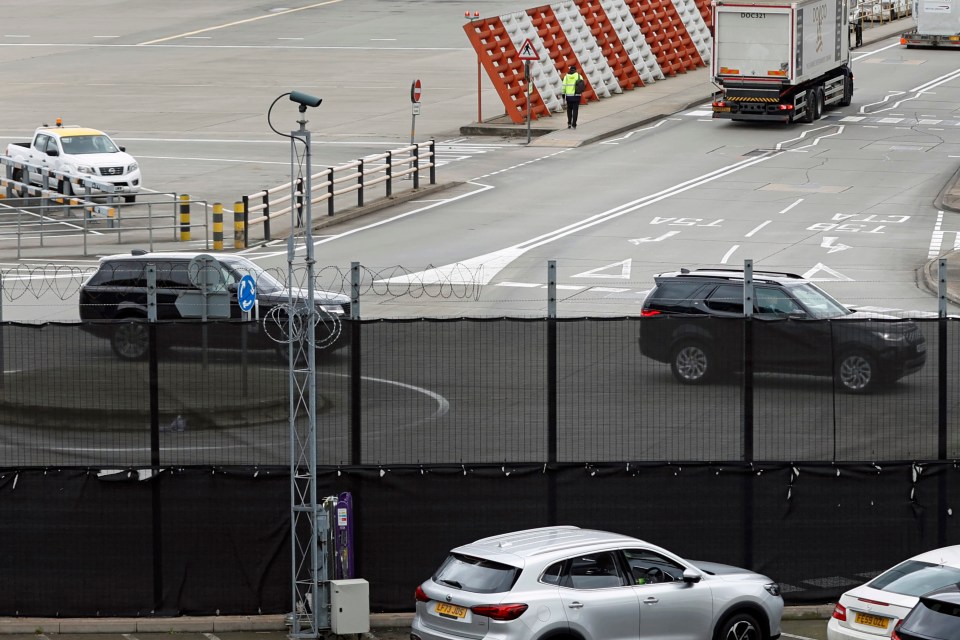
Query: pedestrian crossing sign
(527,52)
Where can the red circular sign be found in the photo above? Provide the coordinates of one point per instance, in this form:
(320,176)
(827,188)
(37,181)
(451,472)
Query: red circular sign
(415,91)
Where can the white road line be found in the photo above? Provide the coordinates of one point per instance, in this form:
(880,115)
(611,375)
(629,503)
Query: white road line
(727,255)
(936,238)
(799,200)
(796,637)
(616,140)
(274,47)
(287,163)
(760,226)
(248,20)
(210,636)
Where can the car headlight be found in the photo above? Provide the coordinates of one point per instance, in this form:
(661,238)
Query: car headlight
(330,308)
(890,336)
(132,167)
(87,169)
(772,588)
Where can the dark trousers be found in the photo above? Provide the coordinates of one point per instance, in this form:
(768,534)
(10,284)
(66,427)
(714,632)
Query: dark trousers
(858,32)
(573,109)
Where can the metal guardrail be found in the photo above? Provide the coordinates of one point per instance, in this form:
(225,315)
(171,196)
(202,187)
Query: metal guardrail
(261,207)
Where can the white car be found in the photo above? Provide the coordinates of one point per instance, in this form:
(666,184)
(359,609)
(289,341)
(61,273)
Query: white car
(561,583)
(871,611)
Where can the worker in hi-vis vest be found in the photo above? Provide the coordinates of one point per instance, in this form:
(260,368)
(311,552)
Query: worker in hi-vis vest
(572,89)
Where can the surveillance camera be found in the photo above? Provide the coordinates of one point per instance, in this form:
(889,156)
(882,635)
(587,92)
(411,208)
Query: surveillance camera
(305,99)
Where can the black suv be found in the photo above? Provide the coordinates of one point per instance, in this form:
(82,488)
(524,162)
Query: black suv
(117,295)
(693,320)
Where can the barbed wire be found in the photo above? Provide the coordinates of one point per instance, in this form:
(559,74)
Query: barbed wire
(456,282)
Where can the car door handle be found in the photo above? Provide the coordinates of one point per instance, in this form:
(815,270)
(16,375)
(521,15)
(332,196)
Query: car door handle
(575,605)
(651,600)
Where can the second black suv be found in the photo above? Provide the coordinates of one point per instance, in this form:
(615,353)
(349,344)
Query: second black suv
(693,321)
(117,293)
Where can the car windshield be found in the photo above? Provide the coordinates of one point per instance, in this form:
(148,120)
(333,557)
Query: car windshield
(80,145)
(819,305)
(266,283)
(476,574)
(915,578)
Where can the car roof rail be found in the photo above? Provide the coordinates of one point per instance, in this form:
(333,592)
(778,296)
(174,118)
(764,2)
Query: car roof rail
(138,252)
(780,274)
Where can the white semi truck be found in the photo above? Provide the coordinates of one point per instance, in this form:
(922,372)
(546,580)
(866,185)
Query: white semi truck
(938,24)
(780,61)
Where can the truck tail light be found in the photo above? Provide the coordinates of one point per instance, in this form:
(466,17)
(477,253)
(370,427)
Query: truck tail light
(785,107)
(502,612)
(840,612)
(719,103)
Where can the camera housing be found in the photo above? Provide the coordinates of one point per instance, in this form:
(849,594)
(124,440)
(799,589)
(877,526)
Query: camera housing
(305,99)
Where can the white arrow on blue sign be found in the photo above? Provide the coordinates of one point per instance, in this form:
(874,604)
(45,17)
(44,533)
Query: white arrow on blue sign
(246,293)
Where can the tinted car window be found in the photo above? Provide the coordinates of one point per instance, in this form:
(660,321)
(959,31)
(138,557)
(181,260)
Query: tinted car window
(914,578)
(675,293)
(593,571)
(476,575)
(727,298)
(120,274)
(775,301)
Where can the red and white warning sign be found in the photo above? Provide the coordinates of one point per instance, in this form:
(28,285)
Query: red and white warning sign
(527,51)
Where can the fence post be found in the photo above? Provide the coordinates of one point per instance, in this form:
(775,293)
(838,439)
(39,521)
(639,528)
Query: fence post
(416,166)
(217,226)
(239,226)
(389,173)
(552,453)
(360,185)
(433,161)
(330,191)
(942,408)
(266,214)
(356,362)
(184,217)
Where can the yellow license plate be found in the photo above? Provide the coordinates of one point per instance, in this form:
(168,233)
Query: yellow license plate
(872,621)
(954,38)
(721,109)
(450,610)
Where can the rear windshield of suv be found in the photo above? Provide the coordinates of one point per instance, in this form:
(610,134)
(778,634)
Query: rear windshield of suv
(476,574)
(674,293)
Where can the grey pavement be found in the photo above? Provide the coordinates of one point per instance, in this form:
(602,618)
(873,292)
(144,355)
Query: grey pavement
(597,121)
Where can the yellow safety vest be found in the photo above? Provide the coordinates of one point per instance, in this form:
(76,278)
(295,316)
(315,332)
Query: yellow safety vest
(570,84)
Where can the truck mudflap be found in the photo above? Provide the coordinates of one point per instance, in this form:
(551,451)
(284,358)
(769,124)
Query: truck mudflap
(914,39)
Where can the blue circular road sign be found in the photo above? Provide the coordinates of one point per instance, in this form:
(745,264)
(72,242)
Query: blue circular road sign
(247,293)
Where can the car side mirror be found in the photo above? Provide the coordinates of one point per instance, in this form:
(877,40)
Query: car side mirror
(692,576)
(122,148)
(233,286)
(53,152)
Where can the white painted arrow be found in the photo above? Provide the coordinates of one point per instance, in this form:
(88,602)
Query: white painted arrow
(624,273)
(663,237)
(828,242)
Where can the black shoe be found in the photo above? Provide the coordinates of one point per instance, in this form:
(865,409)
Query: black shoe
(569,125)
(574,126)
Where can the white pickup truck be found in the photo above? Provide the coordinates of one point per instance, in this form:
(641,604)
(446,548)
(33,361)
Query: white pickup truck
(77,152)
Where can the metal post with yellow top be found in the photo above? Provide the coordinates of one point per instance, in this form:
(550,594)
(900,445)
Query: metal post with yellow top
(184,217)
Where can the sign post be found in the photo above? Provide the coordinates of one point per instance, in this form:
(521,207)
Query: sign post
(416,90)
(528,53)
(246,300)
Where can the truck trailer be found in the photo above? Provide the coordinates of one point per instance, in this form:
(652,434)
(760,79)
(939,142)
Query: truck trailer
(780,61)
(938,24)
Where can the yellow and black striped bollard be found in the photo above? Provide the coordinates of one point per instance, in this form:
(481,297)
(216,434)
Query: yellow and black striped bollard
(239,241)
(184,217)
(217,226)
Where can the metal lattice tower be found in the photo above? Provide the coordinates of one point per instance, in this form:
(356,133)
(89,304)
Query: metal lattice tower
(308,521)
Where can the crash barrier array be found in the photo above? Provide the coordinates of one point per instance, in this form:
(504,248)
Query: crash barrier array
(166,529)
(263,208)
(51,219)
(617,45)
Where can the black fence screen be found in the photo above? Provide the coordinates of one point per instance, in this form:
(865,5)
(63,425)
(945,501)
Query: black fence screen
(171,471)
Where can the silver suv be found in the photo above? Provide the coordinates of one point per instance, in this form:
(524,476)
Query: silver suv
(566,583)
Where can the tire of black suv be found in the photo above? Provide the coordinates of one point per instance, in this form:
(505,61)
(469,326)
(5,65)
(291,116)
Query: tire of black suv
(739,626)
(857,372)
(131,339)
(692,363)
